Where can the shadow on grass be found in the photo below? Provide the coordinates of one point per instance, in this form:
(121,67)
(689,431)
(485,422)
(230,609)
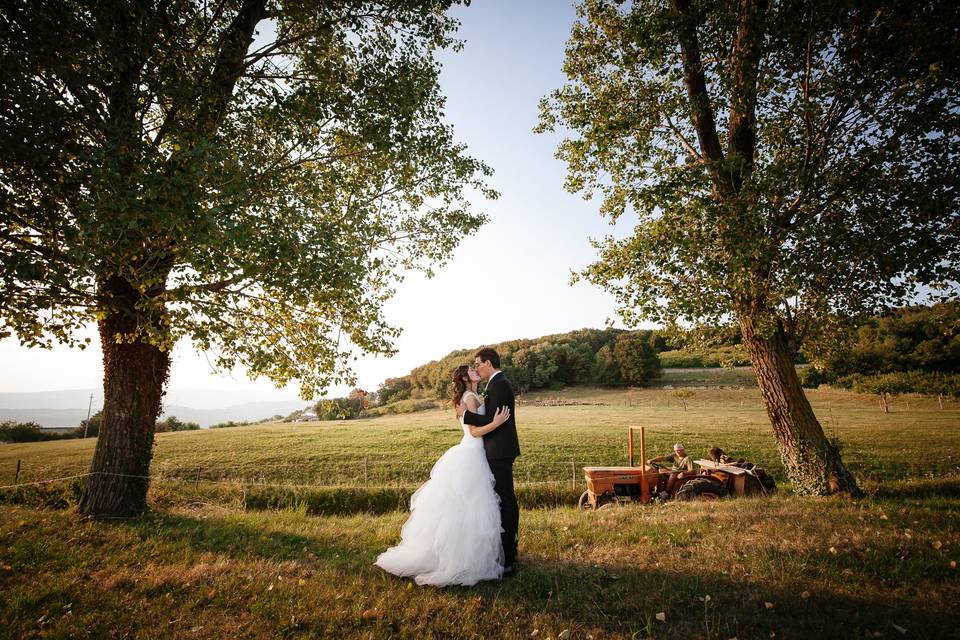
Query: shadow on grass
(240,540)
(625,600)
(609,600)
(614,599)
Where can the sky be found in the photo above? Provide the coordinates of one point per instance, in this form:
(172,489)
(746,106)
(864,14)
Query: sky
(537,234)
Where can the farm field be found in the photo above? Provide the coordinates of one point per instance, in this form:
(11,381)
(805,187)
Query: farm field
(915,440)
(278,536)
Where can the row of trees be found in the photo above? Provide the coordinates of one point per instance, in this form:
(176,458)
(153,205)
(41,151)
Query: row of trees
(885,385)
(586,356)
(913,338)
(907,339)
(12,431)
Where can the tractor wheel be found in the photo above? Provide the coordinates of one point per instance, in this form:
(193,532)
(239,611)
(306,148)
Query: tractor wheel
(583,504)
(769,484)
(607,501)
(701,489)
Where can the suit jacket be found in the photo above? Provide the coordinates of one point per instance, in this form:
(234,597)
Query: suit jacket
(501,443)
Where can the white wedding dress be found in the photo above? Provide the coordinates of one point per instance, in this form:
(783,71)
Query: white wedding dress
(453,533)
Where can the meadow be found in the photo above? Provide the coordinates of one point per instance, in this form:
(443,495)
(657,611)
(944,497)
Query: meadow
(277,536)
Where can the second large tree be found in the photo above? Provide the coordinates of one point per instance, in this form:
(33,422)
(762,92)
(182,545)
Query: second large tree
(790,164)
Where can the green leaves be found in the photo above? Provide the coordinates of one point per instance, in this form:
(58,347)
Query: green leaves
(264,211)
(846,204)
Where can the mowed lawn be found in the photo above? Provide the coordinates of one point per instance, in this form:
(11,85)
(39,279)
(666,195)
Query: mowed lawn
(202,564)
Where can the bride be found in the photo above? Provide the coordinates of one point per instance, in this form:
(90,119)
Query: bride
(453,533)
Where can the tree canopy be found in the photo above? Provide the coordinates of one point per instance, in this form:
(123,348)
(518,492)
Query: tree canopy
(261,171)
(250,175)
(850,200)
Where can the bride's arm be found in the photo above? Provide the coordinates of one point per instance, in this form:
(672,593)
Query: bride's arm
(501,416)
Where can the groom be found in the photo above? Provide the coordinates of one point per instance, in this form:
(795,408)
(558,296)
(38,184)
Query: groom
(501,446)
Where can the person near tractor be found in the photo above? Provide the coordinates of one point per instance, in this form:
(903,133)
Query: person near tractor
(681,465)
(720,456)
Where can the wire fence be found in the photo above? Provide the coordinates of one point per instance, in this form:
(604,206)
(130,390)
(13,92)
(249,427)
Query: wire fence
(360,473)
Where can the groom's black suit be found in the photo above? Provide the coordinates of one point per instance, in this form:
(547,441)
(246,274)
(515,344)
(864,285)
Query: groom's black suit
(502,448)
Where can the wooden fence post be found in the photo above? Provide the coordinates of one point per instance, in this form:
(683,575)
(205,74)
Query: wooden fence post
(365,471)
(16,479)
(196,483)
(573,478)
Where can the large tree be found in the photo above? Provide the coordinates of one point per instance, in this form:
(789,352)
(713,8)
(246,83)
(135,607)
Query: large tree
(790,163)
(250,175)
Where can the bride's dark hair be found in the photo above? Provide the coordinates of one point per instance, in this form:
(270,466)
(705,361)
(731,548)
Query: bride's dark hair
(459,386)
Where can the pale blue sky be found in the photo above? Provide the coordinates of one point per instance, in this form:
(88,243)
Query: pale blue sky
(537,231)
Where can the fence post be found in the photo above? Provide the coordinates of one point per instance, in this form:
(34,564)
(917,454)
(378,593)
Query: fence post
(16,479)
(196,484)
(365,469)
(573,478)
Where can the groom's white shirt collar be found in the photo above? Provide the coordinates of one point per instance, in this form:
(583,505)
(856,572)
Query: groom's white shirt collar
(495,374)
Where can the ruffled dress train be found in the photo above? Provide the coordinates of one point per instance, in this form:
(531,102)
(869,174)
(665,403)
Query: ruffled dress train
(452,536)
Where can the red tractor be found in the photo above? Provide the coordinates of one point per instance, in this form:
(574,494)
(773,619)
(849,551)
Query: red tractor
(617,485)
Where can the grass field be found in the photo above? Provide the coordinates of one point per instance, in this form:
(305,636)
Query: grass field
(214,560)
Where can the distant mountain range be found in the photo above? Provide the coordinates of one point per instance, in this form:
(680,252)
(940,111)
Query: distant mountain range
(205,407)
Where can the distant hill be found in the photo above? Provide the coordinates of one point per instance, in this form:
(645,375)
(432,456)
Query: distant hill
(605,357)
(69,407)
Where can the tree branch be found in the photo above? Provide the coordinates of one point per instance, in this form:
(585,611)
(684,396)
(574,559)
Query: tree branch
(701,113)
(744,64)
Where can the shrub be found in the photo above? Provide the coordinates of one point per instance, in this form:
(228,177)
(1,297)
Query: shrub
(339,408)
(812,377)
(411,405)
(231,423)
(394,389)
(175,424)
(722,356)
(681,360)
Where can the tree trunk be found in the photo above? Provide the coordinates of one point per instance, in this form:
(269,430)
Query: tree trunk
(134,375)
(813,464)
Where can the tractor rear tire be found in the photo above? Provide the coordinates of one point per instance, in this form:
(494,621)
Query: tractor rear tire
(701,489)
(767,481)
(583,504)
